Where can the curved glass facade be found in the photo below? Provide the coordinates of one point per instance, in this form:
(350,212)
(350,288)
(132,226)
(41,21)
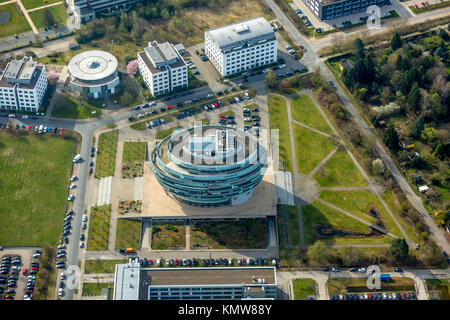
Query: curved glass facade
(188,176)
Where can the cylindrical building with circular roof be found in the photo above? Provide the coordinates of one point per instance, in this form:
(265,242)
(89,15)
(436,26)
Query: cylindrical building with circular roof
(209,165)
(94,73)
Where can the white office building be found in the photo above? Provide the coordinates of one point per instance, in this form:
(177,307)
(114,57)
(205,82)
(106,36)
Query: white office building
(241,46)
(23,85)
(86,10)
(162,68)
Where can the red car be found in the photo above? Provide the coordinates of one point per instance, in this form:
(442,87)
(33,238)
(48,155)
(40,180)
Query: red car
(423,4)
(416,6)
(61,130)
(24,271)
(216,104)
(222,116)
(370,296)
(169,107)
(243,261)
(35,268)
(176,262)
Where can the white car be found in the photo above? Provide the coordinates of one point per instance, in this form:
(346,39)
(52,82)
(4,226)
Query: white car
(152,104)
(60,292)
(282,66)
(362,270)
(85,218)
(72,186)
(25,117)
(140,115)
(62,276)
(36,255)
(81,244)
(70,197)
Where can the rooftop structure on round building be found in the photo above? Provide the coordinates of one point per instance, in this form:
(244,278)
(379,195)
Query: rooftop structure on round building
(94,73)
(209,165)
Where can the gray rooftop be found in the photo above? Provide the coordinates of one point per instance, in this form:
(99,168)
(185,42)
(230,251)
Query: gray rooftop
(241,32)
(126,282)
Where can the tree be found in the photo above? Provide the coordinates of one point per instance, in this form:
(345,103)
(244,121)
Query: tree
(284,86)
(414,97)
(132,67)
(358,48)
(52,77)
(417,127)
(390,138)
(399,249)
(271,77)
(318,252)
(47,17)
(442,217)
(396,41)
(126,99)
(377,166)
(350,255)
(429,135)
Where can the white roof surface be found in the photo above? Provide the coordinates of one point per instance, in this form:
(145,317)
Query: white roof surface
(93,65)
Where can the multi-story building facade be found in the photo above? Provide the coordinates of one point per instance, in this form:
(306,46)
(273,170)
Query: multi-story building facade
(330,9)
(23,85)
(162,68)
(241,46)
(85,10)
(227,283)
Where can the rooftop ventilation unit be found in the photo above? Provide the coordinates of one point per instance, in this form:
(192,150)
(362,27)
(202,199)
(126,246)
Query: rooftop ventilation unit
(242,28)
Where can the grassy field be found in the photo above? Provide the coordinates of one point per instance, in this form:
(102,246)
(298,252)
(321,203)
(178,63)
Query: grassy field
(17,22)
(279,120)
(133,158)
(128,234)
(340,171)
(304,288)
(310,148)
(351,285)
(293,226)
(95,289)
(59,13)
(33,201)
(304,110)
(165,236)
(318,213)
(98,237)
(106,154)
(439,288)
(73,108)
(205,121)
(31,4)
(164,133)
(102,266)
(242,234)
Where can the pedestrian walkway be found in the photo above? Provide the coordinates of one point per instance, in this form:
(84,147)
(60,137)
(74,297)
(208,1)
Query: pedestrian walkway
(104,191)
(138,188)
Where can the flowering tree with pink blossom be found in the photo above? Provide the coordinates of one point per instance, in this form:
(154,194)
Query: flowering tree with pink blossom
(52,77)
(132,67)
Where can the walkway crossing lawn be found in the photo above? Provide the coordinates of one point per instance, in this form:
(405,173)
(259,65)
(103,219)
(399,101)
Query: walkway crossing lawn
(318,213)
(310,148)
(358,203)
(31,4)
(305,111)
(128,234)
(293,226)
(278,119)
(241,234)
(102,266)
(98,236)
(304,288)
(166,236)
(59,13)
(340,171)
(359,285)
(106,154)
(35,172)
(17,22)
(74,108)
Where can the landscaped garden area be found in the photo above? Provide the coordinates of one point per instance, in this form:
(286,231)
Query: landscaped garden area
(128,234)
(167,236)
(304,288)
(106,154)
(35,172)
(98,237)
(133,158)
(95,289)
(242,234)
(130,206)
(102,266)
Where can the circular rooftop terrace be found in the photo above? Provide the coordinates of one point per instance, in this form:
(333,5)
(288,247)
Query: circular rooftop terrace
(93,65)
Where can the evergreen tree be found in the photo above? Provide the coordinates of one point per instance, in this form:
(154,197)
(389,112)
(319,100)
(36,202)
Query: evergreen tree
(358,49)
(399,249)
(417,127)
(396,41)
(414,97)
(390,138)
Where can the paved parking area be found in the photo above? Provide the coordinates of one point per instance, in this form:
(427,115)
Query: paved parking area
(27,256)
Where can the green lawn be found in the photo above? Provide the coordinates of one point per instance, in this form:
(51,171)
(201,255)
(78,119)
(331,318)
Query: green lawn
(102,266)
(318,213)
(128,234)
(95,289)
(164,133)
(58,11)
(17,22)
(293,225)
(242,234)
(279,120)
(98,236)
(74,108)
(165,236)
(31,4)
(304,288)
(35,172)
(133,151)
(106,154)
(310,148)
(205,121)
(340,171)
(305,111)
(439,288)
(352,285)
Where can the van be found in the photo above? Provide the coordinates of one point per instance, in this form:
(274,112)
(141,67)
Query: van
(41,128)
(77,158)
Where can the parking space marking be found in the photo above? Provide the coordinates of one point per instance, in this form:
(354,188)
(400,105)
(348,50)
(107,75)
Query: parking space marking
(104,191)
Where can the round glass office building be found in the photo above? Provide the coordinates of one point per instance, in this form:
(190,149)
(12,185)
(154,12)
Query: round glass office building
(209,165)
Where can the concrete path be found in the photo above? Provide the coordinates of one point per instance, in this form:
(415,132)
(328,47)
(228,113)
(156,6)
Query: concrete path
(138,188)
(104,191)
(283,188)
(324,160)
(46,6)
(27,16)
(146,232)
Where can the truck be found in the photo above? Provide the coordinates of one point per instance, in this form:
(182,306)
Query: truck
(77,158)
(41,128)
(385,277)
(130,250)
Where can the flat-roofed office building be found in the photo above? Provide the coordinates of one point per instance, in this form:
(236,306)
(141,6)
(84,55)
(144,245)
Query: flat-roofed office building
(162,68)
(86,10)
(241,46)
(225,283)
(23,85)
(330,9)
